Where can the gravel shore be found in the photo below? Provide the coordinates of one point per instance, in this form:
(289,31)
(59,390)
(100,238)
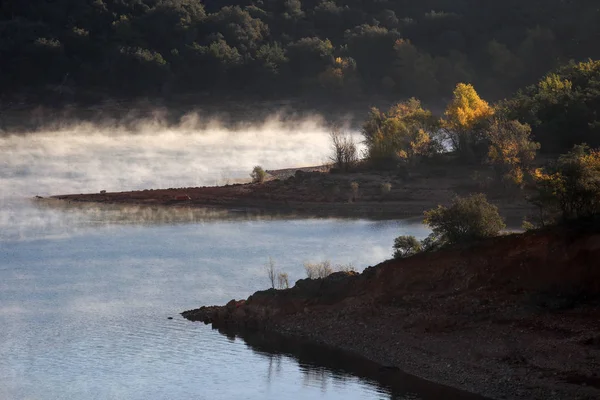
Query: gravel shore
(514,317)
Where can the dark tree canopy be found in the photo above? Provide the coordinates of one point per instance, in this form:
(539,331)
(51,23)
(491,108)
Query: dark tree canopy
(405,48)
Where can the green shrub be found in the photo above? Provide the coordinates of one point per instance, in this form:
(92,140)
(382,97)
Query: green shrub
(406,246)
(569,189)
(258,174)
(467,218)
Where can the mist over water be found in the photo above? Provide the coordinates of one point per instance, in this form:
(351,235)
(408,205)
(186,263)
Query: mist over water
(150,154)
(85,289)
(88,158)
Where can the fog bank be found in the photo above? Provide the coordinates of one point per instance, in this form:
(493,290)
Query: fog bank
(90,158)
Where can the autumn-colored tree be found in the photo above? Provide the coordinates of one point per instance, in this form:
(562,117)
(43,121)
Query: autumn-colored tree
(570,188)
(465,119)
(404,133)
(511,150)
(341,75)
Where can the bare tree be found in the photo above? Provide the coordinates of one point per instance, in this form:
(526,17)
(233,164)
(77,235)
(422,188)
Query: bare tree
(283,281)
(271,271)
(345,154)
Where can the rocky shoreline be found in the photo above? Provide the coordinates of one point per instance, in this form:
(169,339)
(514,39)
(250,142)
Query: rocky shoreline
(514,317)
(312,191)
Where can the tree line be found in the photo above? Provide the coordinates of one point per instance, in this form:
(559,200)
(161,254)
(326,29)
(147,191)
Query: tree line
(290,47)
(554,114)
(558,115)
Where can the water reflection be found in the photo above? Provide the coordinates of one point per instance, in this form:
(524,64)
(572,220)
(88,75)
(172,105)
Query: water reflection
(143,214)
(324,367)
(107,213)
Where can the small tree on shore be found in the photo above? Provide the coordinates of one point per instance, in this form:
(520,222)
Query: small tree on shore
(258,174)
(467,219)
(271,271)
(406,246)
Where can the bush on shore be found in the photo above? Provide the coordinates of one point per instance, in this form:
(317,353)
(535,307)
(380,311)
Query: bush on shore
(324,268)
(467,219)
(258,174)
(406,246)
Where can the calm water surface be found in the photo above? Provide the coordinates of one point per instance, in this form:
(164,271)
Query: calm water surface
(85,291)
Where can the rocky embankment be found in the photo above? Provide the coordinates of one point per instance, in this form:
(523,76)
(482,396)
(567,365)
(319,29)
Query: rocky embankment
(511,317)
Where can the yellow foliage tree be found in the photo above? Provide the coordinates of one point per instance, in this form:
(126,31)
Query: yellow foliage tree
(341,75)
(402,134)
(465,118)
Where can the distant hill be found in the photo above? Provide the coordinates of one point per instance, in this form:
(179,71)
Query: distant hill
(278,48)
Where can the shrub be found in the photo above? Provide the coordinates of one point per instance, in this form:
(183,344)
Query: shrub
(258,174)
(406,246)
(570,188)
(345,268)
(385,188)
(318,270)
(283,281)
(468,218)
(345,155)
(324,268)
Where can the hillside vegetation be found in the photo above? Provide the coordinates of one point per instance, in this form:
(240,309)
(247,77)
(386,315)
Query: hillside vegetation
(128,48)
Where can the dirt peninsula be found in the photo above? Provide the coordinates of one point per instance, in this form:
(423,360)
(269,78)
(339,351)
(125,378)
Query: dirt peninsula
(512,317)
(314,191)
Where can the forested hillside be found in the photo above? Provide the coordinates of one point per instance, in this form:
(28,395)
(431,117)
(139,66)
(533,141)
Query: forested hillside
(403,48)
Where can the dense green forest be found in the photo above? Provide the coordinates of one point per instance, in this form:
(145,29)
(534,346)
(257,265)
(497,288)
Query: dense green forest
(404,48)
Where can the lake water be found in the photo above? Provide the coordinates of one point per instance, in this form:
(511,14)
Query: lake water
(86,291)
